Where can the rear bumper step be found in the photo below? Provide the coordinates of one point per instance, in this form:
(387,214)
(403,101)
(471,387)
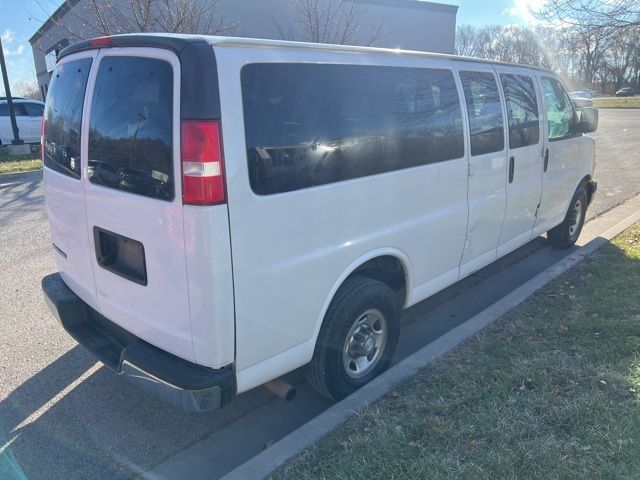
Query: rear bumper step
(189,386)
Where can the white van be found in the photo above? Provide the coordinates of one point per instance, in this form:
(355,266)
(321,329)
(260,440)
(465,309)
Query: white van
(224,210)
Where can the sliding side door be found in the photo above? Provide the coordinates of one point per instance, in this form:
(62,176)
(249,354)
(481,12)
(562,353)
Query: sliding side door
(524,167)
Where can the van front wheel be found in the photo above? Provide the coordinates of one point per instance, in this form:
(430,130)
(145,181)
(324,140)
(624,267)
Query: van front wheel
(357,339)
(566,234)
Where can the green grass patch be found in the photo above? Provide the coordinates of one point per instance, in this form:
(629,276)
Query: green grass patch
(20,163)
(623,102)
(548,391)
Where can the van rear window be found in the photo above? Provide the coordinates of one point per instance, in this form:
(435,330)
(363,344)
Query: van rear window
(63,117)
(313,124)
(131,127)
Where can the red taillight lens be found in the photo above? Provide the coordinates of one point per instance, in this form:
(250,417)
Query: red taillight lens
(42,140)
(202,163)
(100,42)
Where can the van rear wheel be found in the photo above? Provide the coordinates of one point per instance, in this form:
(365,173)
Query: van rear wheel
(357,339)
(566,234)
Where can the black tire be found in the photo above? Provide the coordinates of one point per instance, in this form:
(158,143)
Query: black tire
(566,234)
(326,372)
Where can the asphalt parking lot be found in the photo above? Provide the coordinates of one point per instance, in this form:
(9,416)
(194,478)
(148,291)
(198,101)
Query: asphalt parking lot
(64,416)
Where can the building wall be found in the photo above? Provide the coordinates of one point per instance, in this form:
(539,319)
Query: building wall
(406,24)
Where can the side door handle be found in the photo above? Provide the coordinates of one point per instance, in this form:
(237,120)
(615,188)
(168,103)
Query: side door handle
(511,168)
(546,159)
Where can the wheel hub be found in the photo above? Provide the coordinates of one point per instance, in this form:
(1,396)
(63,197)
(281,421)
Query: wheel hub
(365,343)
(576,215)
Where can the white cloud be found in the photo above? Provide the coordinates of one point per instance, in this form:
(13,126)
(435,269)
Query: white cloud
(7,39)
(18,51)
(7,36)
(524,10)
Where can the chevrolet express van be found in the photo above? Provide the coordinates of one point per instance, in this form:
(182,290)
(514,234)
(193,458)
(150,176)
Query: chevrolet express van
(225,210)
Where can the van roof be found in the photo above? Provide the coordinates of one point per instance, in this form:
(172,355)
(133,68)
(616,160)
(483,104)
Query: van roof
(177,42)
(287,44)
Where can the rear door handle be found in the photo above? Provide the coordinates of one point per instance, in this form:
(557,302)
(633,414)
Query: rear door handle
(511,168)
(546,159)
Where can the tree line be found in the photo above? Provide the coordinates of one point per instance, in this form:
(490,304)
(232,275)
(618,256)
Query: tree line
(591,43)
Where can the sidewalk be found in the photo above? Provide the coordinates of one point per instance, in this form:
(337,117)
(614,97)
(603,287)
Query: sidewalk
(548,391)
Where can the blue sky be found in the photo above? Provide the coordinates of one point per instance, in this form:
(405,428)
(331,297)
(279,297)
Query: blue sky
(19,19)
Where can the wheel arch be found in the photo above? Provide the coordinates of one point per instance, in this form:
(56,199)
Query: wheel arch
(373,264)
(585,183)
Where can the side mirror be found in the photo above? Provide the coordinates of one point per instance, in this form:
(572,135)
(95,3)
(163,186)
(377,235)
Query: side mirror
(588,120)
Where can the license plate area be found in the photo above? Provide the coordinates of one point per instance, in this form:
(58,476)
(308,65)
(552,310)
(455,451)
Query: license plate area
(120,255)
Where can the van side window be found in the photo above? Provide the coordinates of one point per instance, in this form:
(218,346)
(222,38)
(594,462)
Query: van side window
(484,107)
(131,127)
(560,114)
(314,124)
(522,110)
(63,117)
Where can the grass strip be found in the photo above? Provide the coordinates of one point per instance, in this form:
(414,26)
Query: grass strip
(19,163)
(548,391)
(623,102)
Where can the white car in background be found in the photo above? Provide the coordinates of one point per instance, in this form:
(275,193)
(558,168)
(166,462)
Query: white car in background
(28,118)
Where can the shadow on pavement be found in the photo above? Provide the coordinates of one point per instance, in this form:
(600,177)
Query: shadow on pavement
(103,427)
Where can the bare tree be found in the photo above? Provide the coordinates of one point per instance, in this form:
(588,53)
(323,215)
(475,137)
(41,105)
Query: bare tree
(28,87)
(129,16)
(510,43)
(598,14)
(466,38)
(329,21)
(584,56)
(619,56)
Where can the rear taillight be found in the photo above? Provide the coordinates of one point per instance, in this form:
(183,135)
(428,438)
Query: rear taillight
(202,163)
(42,140)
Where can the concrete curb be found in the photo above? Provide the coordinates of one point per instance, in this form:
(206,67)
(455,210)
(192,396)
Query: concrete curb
(267,461)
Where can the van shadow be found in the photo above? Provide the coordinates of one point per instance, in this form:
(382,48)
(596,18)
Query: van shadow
(57,426)
(22,198)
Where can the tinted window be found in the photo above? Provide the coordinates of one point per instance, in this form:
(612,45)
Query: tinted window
(485,112)
(310,124)
(34,109)
(131,127)
(522,110)
(557,104)
(63,117)
(18,108)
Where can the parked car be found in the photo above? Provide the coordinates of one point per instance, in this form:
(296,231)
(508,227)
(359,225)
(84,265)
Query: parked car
(584,93)
(224,211)
(626,92)
(28,117)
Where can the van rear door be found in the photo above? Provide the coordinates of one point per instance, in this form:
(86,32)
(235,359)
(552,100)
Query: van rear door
(133,195)
(63,178)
